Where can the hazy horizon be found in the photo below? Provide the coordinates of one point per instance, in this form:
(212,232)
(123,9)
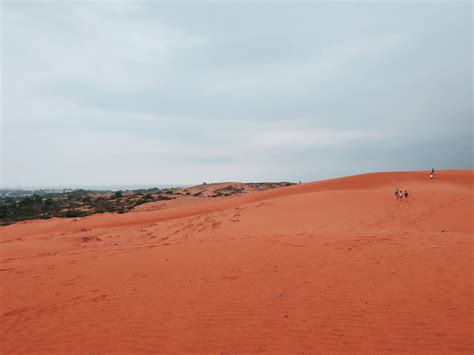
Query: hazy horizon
(93,187)
(110,187)
(152,93)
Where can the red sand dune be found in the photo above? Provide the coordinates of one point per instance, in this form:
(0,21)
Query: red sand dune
(336,265)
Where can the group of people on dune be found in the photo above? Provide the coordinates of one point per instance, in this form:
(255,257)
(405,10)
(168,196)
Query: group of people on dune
(399,194)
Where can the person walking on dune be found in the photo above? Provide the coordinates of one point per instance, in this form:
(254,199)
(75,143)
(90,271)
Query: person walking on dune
(400,195)
(396,194)
(406,195)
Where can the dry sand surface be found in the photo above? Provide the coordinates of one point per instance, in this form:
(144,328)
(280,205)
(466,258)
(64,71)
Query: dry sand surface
(336,265)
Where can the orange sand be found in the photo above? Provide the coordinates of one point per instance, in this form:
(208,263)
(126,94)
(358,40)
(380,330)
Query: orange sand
(336,265)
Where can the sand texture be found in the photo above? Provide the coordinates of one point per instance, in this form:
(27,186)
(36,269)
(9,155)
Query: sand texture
(335,265)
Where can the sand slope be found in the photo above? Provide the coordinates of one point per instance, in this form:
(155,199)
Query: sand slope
(336,265)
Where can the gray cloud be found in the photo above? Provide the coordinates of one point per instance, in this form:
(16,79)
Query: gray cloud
(118,93)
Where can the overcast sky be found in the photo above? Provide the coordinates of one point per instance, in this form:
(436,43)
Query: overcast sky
(106,93)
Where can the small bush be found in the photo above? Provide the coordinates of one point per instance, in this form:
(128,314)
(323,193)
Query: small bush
(3,211)
(148,197)
(48,202)
(164,198)
(72,213)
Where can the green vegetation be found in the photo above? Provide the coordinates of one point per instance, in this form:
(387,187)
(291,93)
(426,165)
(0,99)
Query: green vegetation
(21,205)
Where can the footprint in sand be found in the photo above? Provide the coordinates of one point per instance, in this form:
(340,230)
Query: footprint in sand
(138,275)
(89,239)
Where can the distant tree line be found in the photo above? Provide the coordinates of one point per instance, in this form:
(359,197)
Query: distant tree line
(77,203)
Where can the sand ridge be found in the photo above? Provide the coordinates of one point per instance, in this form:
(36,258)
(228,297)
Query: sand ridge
(335,265)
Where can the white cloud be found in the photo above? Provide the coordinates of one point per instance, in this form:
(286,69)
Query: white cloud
(101,158)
